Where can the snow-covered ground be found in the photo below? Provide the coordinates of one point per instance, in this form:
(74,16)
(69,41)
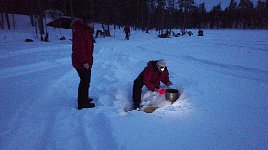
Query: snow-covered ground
(223,75)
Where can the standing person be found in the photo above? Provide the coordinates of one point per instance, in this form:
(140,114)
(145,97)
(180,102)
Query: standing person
(127,31)
(152,74)
(82,59)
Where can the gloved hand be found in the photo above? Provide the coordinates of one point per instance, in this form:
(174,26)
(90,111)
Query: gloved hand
(169,83)
(160,91)
(86,66)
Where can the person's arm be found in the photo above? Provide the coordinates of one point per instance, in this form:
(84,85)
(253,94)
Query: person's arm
(91,49)
(166,80)
(81,46)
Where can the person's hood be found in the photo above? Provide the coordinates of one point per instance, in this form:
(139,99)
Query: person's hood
(152,64)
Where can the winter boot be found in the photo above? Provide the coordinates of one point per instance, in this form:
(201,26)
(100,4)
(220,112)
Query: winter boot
(82,105)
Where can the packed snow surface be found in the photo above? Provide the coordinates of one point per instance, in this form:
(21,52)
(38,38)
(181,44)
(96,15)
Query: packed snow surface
(223,76)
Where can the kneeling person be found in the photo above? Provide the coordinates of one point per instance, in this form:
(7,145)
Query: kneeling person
(152,74)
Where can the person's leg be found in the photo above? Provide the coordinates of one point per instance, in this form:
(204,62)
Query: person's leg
(136,95)
(83,100)
(87,83)
(84,84)
(127,36)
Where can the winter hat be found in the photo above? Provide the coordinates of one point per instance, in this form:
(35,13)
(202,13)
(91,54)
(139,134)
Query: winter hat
(161,63)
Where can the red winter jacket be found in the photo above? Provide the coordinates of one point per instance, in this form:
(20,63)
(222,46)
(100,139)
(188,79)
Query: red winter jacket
(82,48)
(151,76)
(127,29)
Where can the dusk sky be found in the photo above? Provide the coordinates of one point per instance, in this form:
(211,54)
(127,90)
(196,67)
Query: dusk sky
(224,3)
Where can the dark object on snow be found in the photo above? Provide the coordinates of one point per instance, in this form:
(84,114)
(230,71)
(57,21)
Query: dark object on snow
(190,33)
(176,35)
(146,109)
(46,38)
(28,40)
(127,32)
(62,22)
(106,30)
(86,104)
(106,33)
(62,38)
(200,33)
(166,35)
(183,32)
(99,32)
(149,109)
(172,95)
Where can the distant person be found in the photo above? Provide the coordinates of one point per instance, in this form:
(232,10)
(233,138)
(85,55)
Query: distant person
(153,73)
(106,30)
(190,33)
(127,31)
(82,59)
(183,32)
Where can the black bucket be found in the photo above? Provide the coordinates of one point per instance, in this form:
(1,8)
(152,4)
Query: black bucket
(172,94)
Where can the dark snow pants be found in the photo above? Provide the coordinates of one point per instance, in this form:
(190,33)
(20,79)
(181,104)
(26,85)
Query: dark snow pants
(137,89)
(84,84)
(127,36)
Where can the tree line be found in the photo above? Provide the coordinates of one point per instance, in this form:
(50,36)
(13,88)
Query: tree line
(148,14)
